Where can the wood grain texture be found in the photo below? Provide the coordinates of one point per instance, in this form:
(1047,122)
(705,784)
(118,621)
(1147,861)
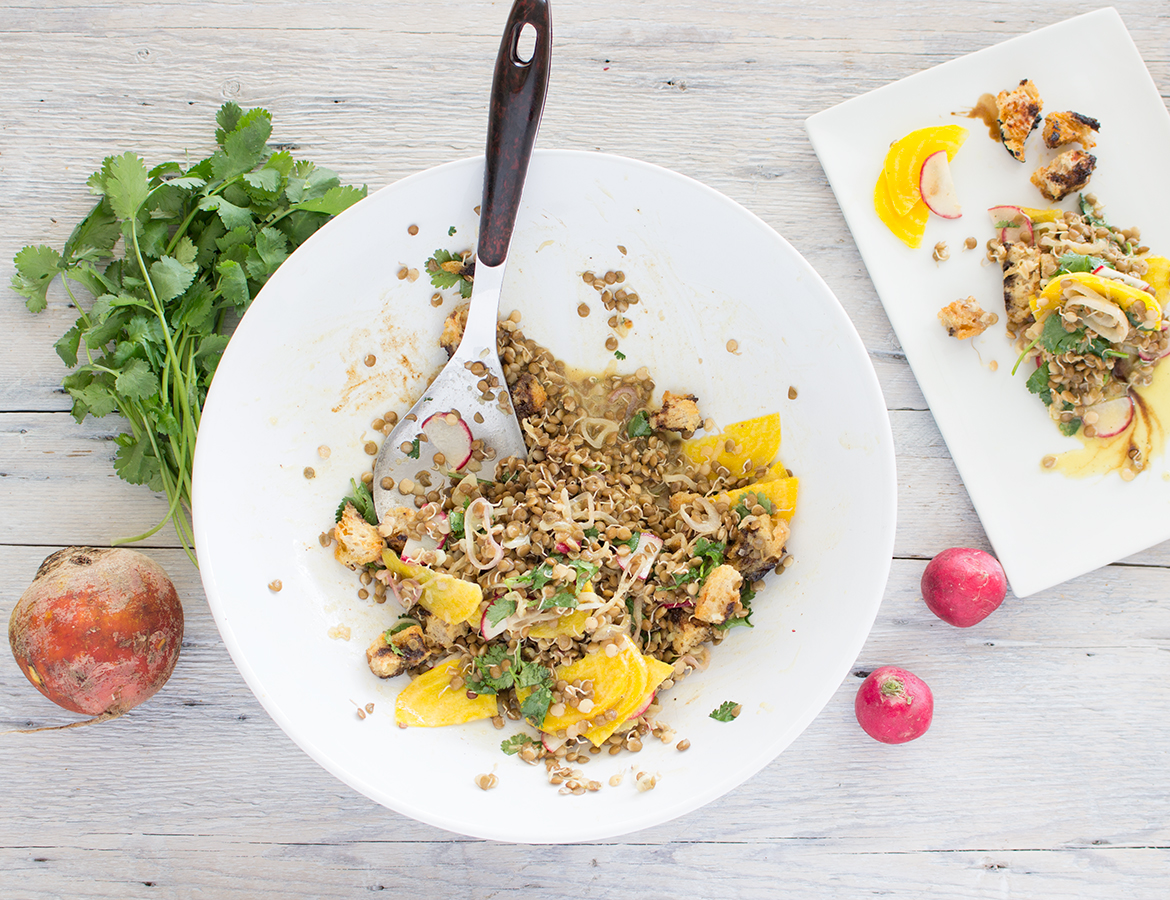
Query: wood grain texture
(1047,771)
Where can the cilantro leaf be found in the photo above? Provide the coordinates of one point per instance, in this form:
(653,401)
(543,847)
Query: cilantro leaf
(516,743)
(455,520)
(335,200)
(36,267)
(415,447)
(447,270)
(1037,383)
(170,278)
(639,425)
(1075,262)
(744,508)
(1089,212)
(501,608)
(137,380)
(362,501)
(618,354)
(124,182)
(727,711)
(482,681)
(535,705)
(1068,429)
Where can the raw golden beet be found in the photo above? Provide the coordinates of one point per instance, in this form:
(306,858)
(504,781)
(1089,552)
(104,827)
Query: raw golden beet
(99,629)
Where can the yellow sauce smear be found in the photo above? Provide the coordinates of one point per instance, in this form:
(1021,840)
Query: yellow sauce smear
(1147,434)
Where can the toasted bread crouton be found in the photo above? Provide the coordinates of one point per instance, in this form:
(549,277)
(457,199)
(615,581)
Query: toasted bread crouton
(1067,173)
(758,545)
(1069,127)
(686,633)
(1021,282)
(403,651)
(528,396)
(965,318)
(444,633)
(358,542)
(1018,111)
(718,598)
(453,327)
(681,499)
(680,412)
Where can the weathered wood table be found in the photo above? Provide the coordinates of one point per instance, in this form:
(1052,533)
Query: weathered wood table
(1047,770)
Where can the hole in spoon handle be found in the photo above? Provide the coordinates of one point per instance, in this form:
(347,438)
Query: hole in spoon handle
(518,91)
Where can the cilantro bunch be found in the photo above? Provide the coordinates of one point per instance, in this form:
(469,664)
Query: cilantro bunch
(171,257)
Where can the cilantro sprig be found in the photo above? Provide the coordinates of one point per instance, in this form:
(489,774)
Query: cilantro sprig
(363,501)
(197,242)
(517,673)
(448,270)
(726,711)
(709,555)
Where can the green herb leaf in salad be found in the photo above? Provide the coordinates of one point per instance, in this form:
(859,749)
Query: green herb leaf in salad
(1038,384)
(448,270)
(639,425)
(516,743)
(727,711)
(359,495)
(198,241)
(1075,262)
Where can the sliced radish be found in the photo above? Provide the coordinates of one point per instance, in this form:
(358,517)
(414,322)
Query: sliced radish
(1113,416)
(643,706)
(551,742)
(937,186)
(678,604)
(448,434)
(1106,272)
(434,538)
(488,630)
(1015,227)
(642,559)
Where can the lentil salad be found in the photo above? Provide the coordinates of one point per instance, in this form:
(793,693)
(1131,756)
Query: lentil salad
(583,581)
(1084,302)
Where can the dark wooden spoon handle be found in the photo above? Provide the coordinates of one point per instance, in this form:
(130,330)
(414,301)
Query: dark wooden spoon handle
(518,90)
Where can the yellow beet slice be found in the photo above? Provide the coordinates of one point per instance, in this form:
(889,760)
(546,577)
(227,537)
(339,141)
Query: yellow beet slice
(421,574)
(756,443)
(617,681)
(780,491)
(903,166)
(908,228)
(656,673)
(451,599)
(1119,292)
(430,702)
(571,623)
(1041,215)
(1158,277)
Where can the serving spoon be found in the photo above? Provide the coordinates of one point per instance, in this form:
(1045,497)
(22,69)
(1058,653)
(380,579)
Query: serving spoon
(469,399)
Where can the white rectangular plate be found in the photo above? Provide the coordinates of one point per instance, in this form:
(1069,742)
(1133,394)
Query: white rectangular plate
(1044,527)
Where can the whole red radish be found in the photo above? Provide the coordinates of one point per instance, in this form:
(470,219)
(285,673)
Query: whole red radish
(893,705)
(963,586)
(98,631)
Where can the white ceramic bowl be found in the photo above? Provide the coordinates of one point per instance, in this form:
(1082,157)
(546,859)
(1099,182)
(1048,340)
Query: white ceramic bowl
(294,378)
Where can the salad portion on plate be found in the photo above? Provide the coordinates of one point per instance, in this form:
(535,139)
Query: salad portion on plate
(1026,225)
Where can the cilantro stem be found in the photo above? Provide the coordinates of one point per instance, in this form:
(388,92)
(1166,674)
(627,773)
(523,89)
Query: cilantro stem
(1024,353)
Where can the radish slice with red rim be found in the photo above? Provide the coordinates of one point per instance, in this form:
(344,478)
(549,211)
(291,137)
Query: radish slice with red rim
(641,561)
(938,188)
(448,434)
(1124,278)
(1113,416)
(1013,224)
